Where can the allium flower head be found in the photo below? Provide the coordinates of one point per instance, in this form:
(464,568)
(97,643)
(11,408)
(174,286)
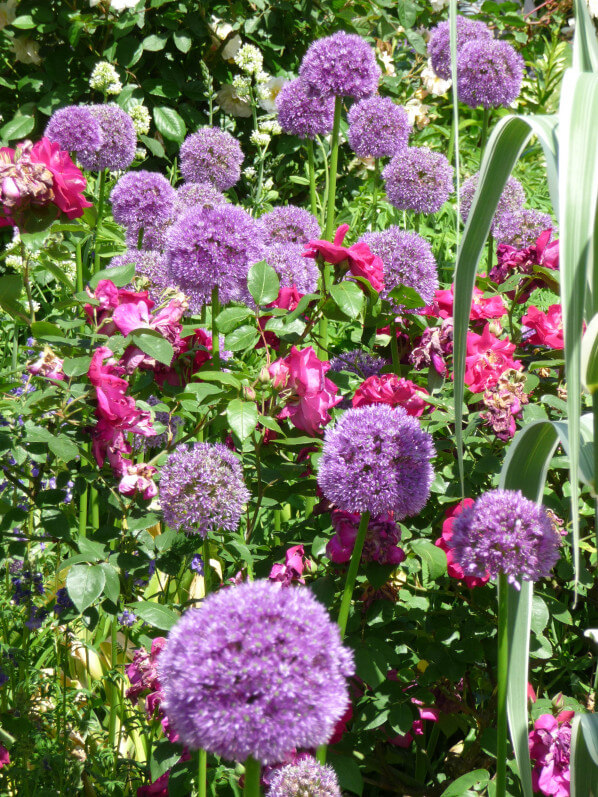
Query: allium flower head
(520,228)
(255,671)
(76,130)
(418,179)
(439,44)
(119,140)
(503,532)
(358,362)
(105,78)
(489,73)
(158,441)
(378,128)
(142,199)
(190,195)
(202,489)
(304,778)
(289,225)
(343,65)
(211,155)
(292,268)
(302,115)
(511,200)
(377,459)
(408,260)
(208,248)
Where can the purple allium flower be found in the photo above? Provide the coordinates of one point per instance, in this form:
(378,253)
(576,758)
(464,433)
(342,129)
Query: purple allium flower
(503,532)
(190,195)
(158,441)
(255,671)
(197,564)
(127,618)
(142,199)
(511,199)
(211,155)
(76,129)
(119,140)
(439,44)
(489,73)
(202,489)
(521,228)
(407,259)
(302,115)
(418,179)
(205,248)
(343,64)
(292,268)
(289,225)
(358,362)
(377,459)
(378,128)
(150,266)
(305,777)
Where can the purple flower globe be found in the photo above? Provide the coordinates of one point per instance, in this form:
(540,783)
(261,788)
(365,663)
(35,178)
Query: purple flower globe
(489,73)
(358,362)
(343,65)
(289,225)
(202,489)
(418,179)
(190,195)
(208,248)
(142,199)
(511,199)
(304,777)
(119,140)
(76,129)
(211,155)
(439,44)
(292,268)
(503,532)
(255,671)
(150,266)
(377,459)
(521,228)
(407,259)
(301,115)
(378,128)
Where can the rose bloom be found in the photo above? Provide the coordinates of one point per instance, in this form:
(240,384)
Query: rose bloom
(360,260)
(443,542)
(550,746)
(392,390)
(482,308)
(486,359)
(547,327)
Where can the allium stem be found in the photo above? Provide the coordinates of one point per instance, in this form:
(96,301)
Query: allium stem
(95,509)
(309,145)
(503,672)
(79,263)
(215,337)
(484,137)
(202,771)
(101,192)
(394,349)
(333,168)
(252,778)
(343,614)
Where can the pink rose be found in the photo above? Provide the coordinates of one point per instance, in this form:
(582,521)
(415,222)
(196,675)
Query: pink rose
(138,479)
(292,570)
(443,542)
(69,182)
(360,260)
(486,359)
(392,390)
(482,307)
(4,756)
(547,327)
(47,365)
(550,747)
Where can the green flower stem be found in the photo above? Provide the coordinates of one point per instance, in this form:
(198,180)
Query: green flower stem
(207,574)
(309,145)
(83,512)
(376,185)
(79,262)
(333,168)
(484,137)
(113,688)
(595,415)
(253,770)
(490,253)
(95,509)
(343,614)
(503,672)
(101,192)
(394,349)
(215,337)
(202,774)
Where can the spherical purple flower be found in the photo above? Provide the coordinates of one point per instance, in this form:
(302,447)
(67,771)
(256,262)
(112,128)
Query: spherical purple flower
(418,179)
(142,199)
(343,64)
(190,195)
(76,129)
(255,671)
(358,362)
(292,268)
(511,199)
(503,532)
(377,459)
(211,155)
(302,115)
(152,237)
(489,73)
(407,259)
(150,266)
(208,248)
(289,225)
(172,424)
(119,140)
(304,777)
(439,44)
(520,228)
(378,128)
(202,489)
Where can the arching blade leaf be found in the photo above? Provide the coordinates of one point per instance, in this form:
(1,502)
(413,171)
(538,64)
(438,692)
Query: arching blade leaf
(585,44)
(584,756)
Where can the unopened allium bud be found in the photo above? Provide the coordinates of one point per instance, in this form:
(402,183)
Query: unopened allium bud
(141,119)
(105,78)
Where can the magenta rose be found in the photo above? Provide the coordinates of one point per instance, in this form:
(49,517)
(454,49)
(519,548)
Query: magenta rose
(487,357)
(361,262)
(69,182)
(392,390)
(547,327)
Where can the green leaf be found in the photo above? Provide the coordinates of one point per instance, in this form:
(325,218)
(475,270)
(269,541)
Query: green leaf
(121,275)
(243,338)
(348,297)
(230,318)
(76,366)
(154,614)
(348,772)
(10,291)
(459,787)
(24,22)
(85,584)
(589,356)
(434,557)
(407,297)
(263,283)
(154,43)
(219,376)
(540,615)
(165,755)
(18,127)
(169,123)
(183,42)
(242,417)
(62,447)
(153,145)
(112,584)
(45,329)
(585,46)
(584,756)
(34,241)
(154,345)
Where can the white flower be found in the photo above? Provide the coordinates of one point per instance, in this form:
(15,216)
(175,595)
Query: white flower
(141,119)
(7,13)
(230,103)
(242,86)
(387,62)
(592,633)
(105,78)
(438,5)
(249,173)
(432,83)
(260,139)
(271,126)
(231,48)
(417,113)
(269,91)
(121,5)
(593,8)
(26,50)
(249,59)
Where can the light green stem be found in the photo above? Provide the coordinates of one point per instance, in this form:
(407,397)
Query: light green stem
(503,672)
(79,263)
(202,774)
(215,336)
(343,614)
(101,192)
(333,168)
(309,144)
(95,509)
(113,688)
(394,349)
(484,137)
(252,778)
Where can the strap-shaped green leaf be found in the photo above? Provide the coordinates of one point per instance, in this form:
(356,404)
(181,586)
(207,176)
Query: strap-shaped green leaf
(584,756)
(585,44)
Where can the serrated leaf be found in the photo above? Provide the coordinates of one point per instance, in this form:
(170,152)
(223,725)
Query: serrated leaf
(169,123)
(85,584)
(230,318)
(242,417)
(244,337)
(153,345)
(121,275)
(348,297)
(263,283)
(154,614)
(433,556)
(219,376)
(18,127)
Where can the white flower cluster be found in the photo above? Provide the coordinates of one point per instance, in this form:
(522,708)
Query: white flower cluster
(242,86)
(115,5)
(271,126)
(105,78)
(249,59)
(432,83)
(260,139)
(140,117)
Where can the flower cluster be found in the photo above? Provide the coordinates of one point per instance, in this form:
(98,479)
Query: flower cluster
(486,358)
(504,402)
(444,543)
(358,362)
(544,329)
(418,179)
(381,541)
(392,390)
(433,348)
(542,254)
(305,777)
(358,258)
(302,115)
(343,65)
(211,155)
(378,128)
